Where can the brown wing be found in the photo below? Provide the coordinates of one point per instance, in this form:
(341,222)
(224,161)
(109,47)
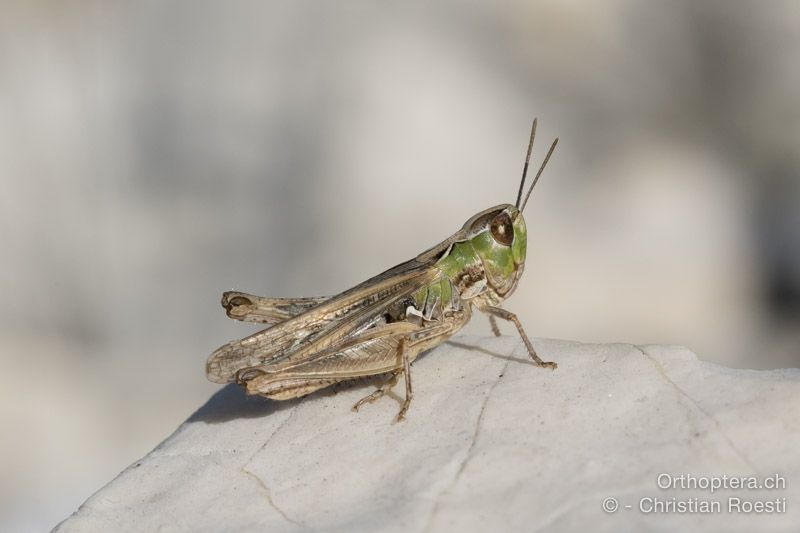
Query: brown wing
(371,352)
(323,325)
(263,310)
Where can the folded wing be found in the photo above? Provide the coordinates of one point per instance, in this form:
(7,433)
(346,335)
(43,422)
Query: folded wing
(322,326)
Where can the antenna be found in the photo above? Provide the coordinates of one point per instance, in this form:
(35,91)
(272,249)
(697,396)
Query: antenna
(527,161)
(541,168)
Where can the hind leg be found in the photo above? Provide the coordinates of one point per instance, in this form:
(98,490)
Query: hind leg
(403,355)
(379,392)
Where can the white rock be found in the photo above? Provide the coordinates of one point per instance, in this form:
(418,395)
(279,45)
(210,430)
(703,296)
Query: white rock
(491,443)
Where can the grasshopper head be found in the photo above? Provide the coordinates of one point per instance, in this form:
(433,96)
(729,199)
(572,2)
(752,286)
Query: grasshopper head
(499,238)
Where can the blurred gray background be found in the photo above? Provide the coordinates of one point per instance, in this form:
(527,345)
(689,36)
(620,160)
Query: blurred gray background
(154,154)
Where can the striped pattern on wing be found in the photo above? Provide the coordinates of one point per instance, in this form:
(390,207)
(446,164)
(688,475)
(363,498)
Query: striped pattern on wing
(374,351)
(321,326)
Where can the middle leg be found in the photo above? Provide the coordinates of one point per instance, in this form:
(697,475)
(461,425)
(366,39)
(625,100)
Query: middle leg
(379,392)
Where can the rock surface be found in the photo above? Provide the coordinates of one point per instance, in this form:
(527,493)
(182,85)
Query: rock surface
(491,443)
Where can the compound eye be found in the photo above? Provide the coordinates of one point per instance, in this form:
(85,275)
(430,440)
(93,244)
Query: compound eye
(502,229)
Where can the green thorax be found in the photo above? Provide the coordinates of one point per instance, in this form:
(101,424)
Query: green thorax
(486,263)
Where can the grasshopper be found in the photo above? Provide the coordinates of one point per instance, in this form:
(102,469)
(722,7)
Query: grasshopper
(380,326)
